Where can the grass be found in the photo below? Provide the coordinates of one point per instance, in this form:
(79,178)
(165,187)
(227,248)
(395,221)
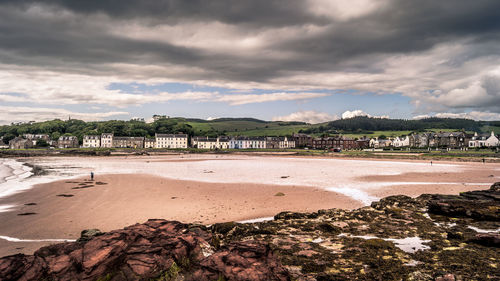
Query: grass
(247,128)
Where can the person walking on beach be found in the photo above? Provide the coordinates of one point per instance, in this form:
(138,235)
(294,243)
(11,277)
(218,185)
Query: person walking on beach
(91,176)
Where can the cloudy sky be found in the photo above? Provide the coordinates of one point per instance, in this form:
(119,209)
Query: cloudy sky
(307,60)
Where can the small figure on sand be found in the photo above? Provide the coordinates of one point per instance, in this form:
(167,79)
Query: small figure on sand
(431,163)
(484,160)
(91,176)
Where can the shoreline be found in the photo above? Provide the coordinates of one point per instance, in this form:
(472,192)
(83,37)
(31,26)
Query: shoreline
(115,201)
(389,155)
(61,212)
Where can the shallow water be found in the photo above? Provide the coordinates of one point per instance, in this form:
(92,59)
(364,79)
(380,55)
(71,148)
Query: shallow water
(338,175)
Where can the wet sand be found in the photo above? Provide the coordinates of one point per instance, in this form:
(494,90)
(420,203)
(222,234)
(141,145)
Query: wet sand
(127,199)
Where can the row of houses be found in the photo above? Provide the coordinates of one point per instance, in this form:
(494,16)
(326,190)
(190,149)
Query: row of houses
(453,140)
(330,142)
(108,140)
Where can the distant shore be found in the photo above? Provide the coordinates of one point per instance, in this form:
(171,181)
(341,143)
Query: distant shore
(440,155)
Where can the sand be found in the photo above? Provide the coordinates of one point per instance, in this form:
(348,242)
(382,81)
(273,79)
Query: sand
(129,199)
(238,188)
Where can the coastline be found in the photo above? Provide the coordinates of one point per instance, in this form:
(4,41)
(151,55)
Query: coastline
(130,196)
(464,156)
(121,200)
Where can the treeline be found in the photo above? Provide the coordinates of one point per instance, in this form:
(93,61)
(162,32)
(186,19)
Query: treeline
(362,123)
(79,128)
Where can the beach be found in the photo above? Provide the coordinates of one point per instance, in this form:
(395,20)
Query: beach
(204,189)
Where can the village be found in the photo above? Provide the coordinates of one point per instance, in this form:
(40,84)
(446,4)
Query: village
(427,140)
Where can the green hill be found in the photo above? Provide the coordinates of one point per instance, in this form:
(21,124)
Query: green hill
(354,127)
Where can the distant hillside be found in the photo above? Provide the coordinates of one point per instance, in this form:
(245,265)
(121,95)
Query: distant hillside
(362,123)
(355,127)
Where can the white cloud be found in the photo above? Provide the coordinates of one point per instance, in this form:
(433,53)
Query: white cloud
(354,113)
(343,9)
(46,87)
(351,114)
(312,117)
(475,115)
(239,99)
(9,114)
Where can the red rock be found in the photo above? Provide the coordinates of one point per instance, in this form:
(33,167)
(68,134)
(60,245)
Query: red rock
(144,251)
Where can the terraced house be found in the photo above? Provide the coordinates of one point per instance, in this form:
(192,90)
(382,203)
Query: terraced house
(107,140)
(128,142)
(484,140)
(171,140)
(247,142)
(91,141)
(149,143)
(279,143)
(210,143)
(67,142)
(338,142)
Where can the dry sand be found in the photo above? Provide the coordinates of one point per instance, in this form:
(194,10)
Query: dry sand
(129,199)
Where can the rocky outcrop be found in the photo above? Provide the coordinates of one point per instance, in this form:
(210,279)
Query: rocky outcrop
(156,249)
(432,237)
(480,205)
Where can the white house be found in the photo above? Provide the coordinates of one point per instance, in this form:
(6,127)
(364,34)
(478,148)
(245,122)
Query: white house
(210,143)
(484,140)
(171,140)
(376,143)
(91,141)
(107,140)
(247,142)
(401,141)
(286,143)
(492,141)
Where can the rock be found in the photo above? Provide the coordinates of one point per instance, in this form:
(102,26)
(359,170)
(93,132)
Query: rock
(447,277)
(479,204)
(88,234)
(396,238)
(155,249)
(248,260)
(487,239)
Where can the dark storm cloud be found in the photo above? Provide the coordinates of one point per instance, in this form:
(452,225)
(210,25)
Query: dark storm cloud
(84,37)
(256,12)
(398,27)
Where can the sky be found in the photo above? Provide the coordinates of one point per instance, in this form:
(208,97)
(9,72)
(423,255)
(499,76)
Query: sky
(290,60)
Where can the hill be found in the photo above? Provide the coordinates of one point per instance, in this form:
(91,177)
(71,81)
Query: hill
(355,127)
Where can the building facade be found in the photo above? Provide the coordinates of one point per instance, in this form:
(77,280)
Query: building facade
(401,141)
(91,141)
(67,142)
(149,143)
(210,143)
(247,142)
(171,140)
(20,143)
(484,140)
(302,140)
(107,140)
(128,142)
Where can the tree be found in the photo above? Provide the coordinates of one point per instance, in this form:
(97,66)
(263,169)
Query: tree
(42,143)
(7,137)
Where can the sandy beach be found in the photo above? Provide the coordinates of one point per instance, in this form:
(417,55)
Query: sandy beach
(64,208)
(134,189)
